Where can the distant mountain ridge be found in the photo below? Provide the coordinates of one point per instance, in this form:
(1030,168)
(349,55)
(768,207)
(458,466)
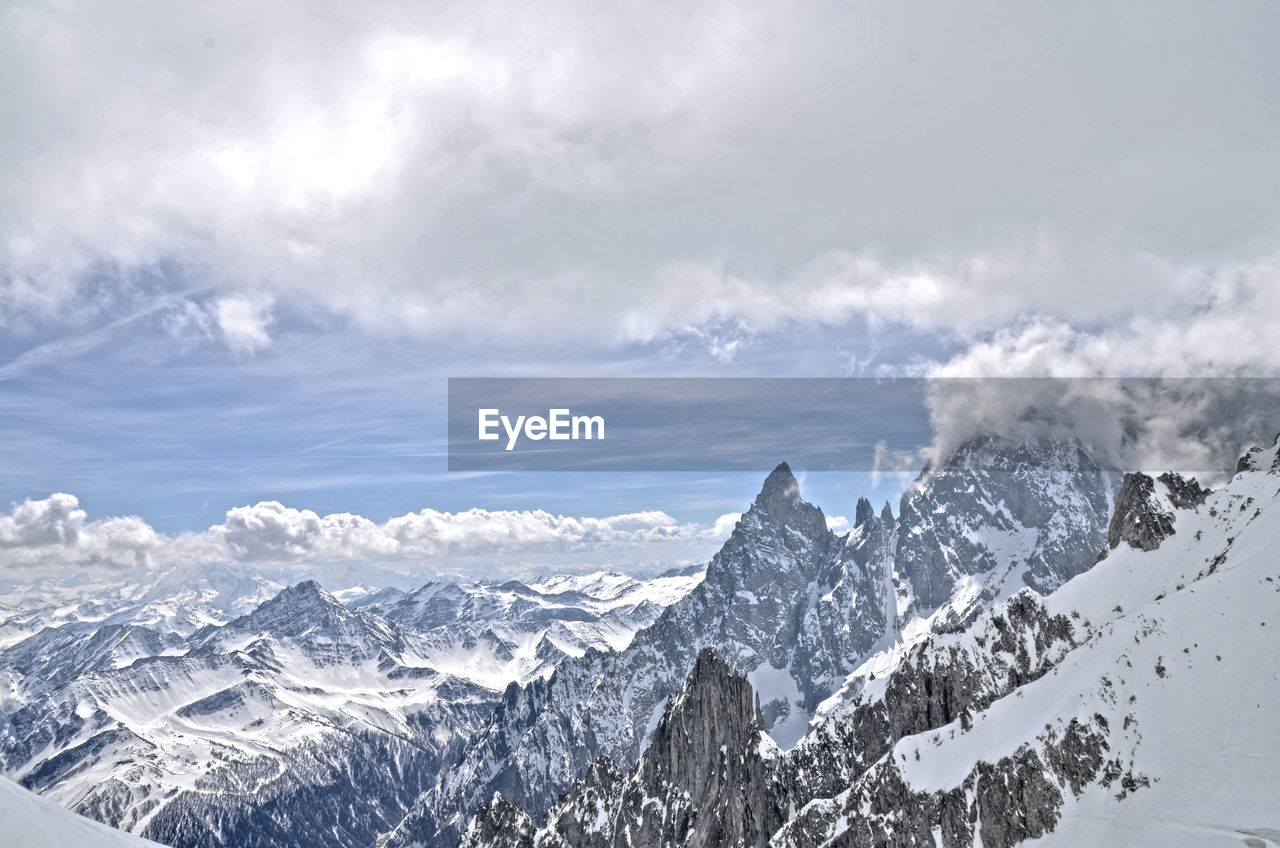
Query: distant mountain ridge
(255,720)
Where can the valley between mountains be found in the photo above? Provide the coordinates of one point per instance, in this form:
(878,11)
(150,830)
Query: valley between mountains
(1026,650)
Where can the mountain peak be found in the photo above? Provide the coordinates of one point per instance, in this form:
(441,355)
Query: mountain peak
(719,704)
(308,590)
(780,479)
(780,492)
(1001,453)
(293,609)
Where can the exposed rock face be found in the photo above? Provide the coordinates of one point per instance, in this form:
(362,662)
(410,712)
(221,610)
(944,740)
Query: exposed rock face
(932,686)
(703,780)
(1144,512)
(498,824)
(1141,519)
(863,512)
(886,515)
(584,815)
(1035,511)
(1006,802)
(854,607)
(1258,458)
(1183,494)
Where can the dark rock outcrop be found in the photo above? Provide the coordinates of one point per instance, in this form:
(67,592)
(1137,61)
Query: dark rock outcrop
(863,512)
(931,687)
(1139,519)
(1183,493)
(702,781)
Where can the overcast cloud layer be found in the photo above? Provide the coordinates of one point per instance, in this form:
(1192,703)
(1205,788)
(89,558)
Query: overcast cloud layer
(433,168)
(1039,189)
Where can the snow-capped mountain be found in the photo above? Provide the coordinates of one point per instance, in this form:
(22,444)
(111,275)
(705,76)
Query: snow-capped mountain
(250,733)
(494,633)
(1012,658)
(996,516)
(171,602)
(273,721)
(795,608)
(1131,706)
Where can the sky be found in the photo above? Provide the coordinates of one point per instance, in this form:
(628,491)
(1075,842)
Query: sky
(242,248)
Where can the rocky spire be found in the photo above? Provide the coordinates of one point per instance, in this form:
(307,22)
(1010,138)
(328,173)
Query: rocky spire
(1144,513)
(779,504)
(705,762)
(864,512)
(886,515)
(780,492)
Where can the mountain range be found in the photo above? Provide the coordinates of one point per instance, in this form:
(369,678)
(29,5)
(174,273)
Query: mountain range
(1032,650)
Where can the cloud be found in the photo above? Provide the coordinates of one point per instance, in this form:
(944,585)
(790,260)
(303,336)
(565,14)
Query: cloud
(56,520)
(76,345)
(635,172)
(724,525)
(1206,389)
(837,523)
(243,322)
(55,531)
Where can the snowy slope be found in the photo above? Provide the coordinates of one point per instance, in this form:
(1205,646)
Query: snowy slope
(1198,652)
(495,633)
(29,821)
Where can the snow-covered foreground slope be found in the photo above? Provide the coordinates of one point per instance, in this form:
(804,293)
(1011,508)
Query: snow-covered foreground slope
(29,821)
(1192,666)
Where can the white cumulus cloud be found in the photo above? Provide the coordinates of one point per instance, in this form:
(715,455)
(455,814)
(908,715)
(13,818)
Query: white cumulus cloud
(55,531)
